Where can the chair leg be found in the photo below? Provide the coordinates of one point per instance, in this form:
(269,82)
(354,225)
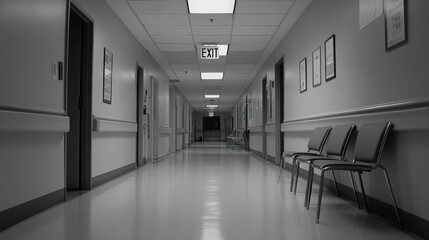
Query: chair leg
(296,176)
(309,189)
(391,195)
(292,173)
(363,192)
(336,184)
(280,168)
(319,203)
(354,189)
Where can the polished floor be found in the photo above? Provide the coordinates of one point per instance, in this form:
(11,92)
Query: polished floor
(206,192)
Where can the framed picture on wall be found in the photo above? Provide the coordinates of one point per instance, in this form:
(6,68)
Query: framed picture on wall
(303,75)
(395,23)
(107,76)
(330,61)
(317,68)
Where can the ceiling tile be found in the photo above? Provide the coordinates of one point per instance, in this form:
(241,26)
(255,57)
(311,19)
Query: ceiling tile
(218,19)
(248,47)
(263,6)
(164,19)
(180,57)
(236,76)
(238,71)
(254,30)
(240,66)
(212,39)
(188,67)
(159,7)
(239,57)
(190,75)
(169,30)
(173,39)
(176,47)
(250,39)
(258,19)
(211,30)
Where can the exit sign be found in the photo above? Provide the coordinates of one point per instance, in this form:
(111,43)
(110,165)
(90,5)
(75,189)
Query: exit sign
(209,52)
(211,114)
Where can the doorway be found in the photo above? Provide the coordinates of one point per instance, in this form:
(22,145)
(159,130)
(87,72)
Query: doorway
(264,116)
(279,98)
(79,102)
(140,124)
(211,128)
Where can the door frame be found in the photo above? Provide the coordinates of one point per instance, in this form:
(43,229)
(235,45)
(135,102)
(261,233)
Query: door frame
(86,98)
(279,102)
(264,116)
(140,161)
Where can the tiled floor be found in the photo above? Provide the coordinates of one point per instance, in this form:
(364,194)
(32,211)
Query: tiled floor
(206,192)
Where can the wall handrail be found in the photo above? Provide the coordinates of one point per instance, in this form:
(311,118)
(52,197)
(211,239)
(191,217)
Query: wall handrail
(4,107)
(20,121)
(103,124)
(378,108)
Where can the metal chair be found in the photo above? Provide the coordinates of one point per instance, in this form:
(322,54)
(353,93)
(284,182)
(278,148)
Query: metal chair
(315,146)
(335,147)
(368,149)
(243,139)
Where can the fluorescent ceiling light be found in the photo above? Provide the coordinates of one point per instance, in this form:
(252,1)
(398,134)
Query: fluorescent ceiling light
(212,106)
(212,75)
(211,96)
(210,6)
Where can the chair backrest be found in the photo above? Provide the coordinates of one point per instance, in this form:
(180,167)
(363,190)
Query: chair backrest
(318,138)
(338,140)
(370,142)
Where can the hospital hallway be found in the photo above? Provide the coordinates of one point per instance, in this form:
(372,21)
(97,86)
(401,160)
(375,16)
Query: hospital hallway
(205,192)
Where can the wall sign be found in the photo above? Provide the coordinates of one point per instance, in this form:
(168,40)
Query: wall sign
(303,75)
(330,60)
(395,21)
(211,52)
(107,76)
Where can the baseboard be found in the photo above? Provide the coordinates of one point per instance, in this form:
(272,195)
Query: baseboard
(271,159)
(411,222)
(105,177)
(158,159)
(14,215)
(260,154)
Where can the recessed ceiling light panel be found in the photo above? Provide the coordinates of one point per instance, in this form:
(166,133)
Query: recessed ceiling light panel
(211,96)
(211,7)
(212,106)
(212,75)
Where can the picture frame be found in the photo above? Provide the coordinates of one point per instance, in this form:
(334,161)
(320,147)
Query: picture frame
(303,75)
(395,22)
(317,67)
(330,58)
(107,76)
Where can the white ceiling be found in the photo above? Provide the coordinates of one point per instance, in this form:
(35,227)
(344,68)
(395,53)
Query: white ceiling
(171,35)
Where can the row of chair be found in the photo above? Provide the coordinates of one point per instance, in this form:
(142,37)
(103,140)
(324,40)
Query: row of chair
(326,151)
(233,140)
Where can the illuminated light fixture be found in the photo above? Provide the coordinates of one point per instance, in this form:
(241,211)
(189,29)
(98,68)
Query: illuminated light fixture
(212,75)
(212,96)
(211,7)
(212,106)
(223,48)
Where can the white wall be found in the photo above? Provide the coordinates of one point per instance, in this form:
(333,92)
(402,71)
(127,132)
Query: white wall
(32,37)
(366,75)
(111,150)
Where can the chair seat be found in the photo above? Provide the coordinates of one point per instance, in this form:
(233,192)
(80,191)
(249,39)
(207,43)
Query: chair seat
(294,153)
(340,165)
(310,159)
